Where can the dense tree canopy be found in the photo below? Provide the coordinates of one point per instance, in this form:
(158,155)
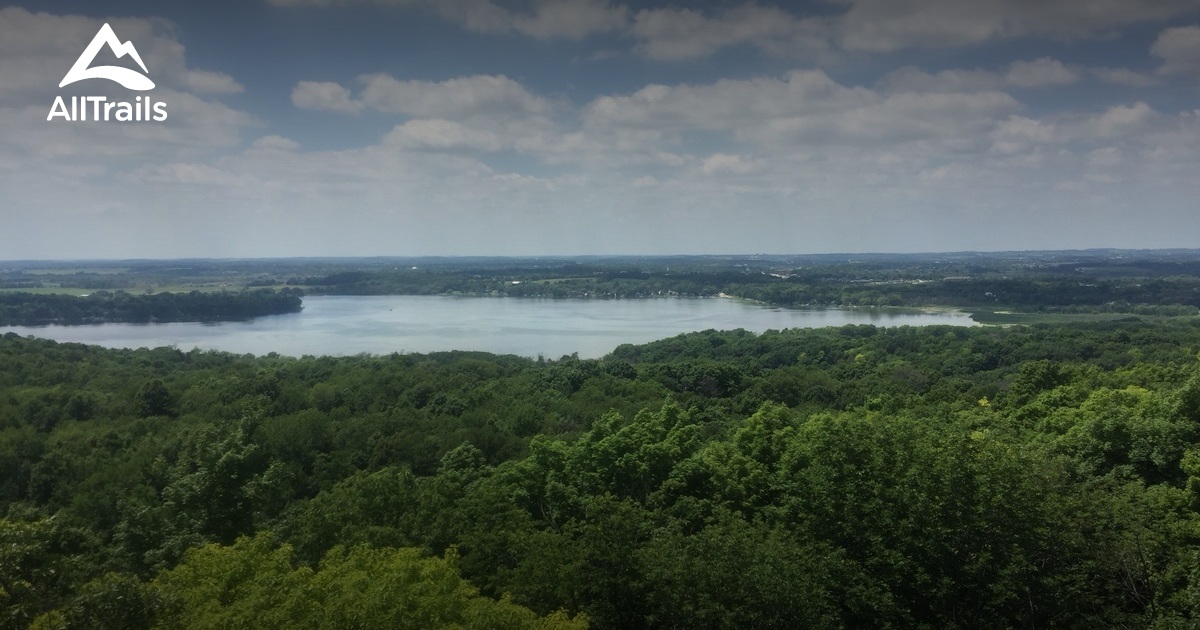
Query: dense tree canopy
(30,309)
(1041,476)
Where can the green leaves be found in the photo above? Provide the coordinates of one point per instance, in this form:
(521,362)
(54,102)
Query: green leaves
(153,399)
(252,584)
(842,477)
(42,561)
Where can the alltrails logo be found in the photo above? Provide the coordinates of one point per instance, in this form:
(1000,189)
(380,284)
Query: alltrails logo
(141,109)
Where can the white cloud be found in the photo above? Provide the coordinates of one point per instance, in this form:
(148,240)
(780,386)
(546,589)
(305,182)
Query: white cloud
(718,163)
(324,96)
(191,174)
(1104,157)
(1040,72)
(571,19)
(454,98)
(275,143)
(37,49)
(912,79)
(675,33)
(441,134)
(496,97)
(98,181)
(1123,76)
(1043,72)
(877,26)
(806,107)
(727,104)
(212,82)
(194,126)
(1019,134)
(1179,49)
(731,164)
(1117,121)
(889,25)
(546,19)
(645,181)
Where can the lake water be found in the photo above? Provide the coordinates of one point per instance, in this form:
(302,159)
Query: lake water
(347,325)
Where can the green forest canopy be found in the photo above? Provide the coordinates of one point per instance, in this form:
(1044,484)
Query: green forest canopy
(1039,476)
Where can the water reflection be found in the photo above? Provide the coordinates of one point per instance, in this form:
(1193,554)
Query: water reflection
(346,325)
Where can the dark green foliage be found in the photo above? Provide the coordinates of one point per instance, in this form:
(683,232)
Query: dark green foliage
(113,600)
(42,561)
(1156,284)
(153,399)
(30,309)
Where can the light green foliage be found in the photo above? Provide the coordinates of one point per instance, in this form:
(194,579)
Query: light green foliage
(252,584)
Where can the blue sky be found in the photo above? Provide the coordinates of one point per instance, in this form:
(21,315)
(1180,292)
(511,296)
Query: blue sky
(558,127)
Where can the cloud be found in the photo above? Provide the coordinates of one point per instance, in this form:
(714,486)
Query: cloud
(873,26)
(37,49)
(493,96)
(718,163)
(674,33)
(1039,73)
(87,178)
(1118,120)
(324,96)
(1019,134)
(805,108)
(784,161)
(890,25)
(913,79)
(571,19)
(212,82)
(1123,76)
(275,143)
(191,174)
(546,19)
(1104,157)
(1179,49)
(442,134)
(726,104)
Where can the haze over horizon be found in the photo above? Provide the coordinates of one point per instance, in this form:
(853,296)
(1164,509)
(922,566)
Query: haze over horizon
(343,128)
(1035,253)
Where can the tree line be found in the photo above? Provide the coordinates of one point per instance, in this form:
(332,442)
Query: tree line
(1149,287)
(31,309)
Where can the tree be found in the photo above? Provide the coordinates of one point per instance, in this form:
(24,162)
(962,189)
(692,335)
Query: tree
(153,399)
(252,584)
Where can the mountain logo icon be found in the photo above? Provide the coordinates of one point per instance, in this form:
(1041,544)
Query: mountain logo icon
(126,77)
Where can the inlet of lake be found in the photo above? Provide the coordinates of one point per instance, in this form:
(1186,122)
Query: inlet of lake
(348,325)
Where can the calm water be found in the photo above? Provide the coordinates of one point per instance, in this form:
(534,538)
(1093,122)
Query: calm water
(345,325)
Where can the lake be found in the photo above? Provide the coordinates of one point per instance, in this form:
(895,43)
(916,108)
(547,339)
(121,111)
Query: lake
(347,325)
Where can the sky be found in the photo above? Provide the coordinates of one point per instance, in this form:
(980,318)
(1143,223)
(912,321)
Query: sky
(570,127)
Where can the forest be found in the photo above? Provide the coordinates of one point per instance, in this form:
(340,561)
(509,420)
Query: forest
(1157,283)
(31,309)
(1148,284)
(933,477)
